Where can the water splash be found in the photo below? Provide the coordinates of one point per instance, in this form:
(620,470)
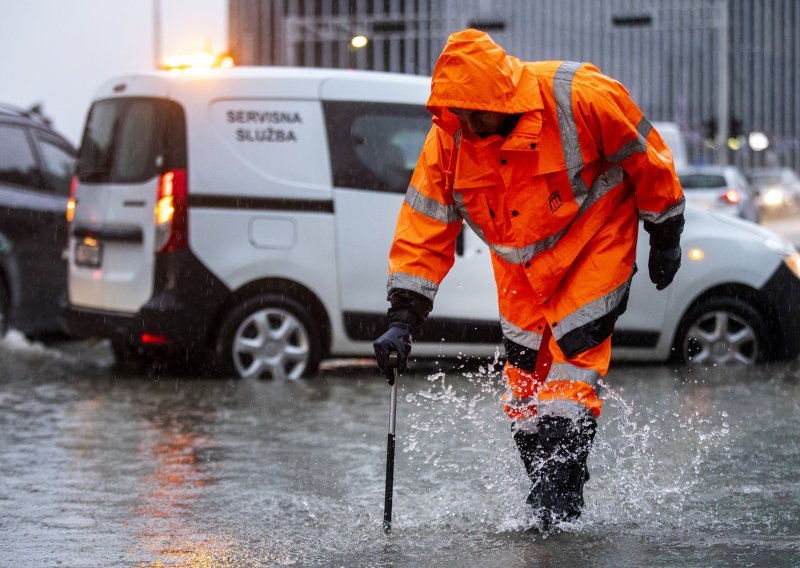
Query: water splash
(460,448)
(16,341)
(17,345)
(647,465)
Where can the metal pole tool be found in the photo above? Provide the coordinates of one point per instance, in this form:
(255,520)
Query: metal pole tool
(387,503)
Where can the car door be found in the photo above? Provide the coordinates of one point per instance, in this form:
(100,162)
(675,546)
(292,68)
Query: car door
(57,161)
(33,221)
(129,145)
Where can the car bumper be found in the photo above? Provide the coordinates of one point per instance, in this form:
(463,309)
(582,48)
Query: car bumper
(783,292)
(180,313)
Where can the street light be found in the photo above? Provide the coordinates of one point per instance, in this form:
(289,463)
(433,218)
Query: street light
(735,143)
(157,33)
(359,41)
(758,141)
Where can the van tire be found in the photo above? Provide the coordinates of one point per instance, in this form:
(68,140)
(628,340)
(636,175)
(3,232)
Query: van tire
(268,335)
(128,357)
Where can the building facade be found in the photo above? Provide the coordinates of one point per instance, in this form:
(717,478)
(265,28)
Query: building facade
(721,69)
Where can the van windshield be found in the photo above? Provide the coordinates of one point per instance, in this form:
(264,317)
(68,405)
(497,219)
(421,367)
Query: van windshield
(131,140)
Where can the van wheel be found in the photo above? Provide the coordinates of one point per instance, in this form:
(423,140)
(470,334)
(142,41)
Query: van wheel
(269,336)
(5,309)
(723,331)
(127,356)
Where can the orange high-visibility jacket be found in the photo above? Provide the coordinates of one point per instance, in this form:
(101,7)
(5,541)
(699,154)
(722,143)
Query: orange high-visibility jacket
(580,167)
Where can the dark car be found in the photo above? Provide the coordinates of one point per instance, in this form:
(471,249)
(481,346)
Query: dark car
(36,168)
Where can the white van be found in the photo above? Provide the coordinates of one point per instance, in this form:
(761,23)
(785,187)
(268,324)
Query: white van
(245,216)
(675,141)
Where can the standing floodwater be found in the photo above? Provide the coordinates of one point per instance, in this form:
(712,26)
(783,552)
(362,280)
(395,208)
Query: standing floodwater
(691,468)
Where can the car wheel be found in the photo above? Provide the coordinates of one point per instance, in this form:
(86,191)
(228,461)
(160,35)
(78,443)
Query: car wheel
(269,336)
(723,331)
(5,308)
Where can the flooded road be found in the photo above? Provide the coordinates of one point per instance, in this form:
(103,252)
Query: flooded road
(99,468)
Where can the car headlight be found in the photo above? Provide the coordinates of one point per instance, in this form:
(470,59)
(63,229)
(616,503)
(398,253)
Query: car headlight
(793,262)
(773,197)
(786,249)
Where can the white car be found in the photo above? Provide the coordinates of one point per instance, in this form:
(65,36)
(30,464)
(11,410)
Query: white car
(244,216)
(777,189)
(735,299)
(720,188)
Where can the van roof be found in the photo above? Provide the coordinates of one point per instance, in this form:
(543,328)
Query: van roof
(303,81)
(319,73)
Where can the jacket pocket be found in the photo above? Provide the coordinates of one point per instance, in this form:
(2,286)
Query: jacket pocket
(476,206)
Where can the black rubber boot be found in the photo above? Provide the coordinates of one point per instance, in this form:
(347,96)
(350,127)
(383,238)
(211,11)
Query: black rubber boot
(555,460)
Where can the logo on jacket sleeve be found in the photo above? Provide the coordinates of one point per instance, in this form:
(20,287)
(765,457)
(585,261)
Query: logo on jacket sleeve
(555,201)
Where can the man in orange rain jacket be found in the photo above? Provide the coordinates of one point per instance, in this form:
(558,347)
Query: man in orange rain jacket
(552,165)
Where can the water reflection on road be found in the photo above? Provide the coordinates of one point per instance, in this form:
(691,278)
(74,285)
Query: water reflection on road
(692,468)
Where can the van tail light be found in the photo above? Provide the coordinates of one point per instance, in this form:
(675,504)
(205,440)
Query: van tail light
(730,196)
(171,214)
(73,186)
(152,339)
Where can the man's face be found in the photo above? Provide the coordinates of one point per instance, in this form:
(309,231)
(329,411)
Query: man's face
(484,123)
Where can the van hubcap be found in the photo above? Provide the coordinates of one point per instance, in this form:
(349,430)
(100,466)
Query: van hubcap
(271,342)
(721,337)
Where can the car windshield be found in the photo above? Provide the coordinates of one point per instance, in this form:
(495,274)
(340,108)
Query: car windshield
(702,181)
(131,140)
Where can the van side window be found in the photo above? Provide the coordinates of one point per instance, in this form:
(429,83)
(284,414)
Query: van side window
(17,161)
(375,145)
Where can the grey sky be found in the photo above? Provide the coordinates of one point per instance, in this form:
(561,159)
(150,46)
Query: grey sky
(57,52)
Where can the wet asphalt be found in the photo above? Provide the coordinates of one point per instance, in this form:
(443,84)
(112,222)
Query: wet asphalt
(98,467)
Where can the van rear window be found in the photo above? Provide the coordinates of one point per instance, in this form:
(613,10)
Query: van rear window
(375,145)
(131,140)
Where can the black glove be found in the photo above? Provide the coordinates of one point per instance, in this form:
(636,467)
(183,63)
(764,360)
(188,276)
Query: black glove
(663,265)
(397,339)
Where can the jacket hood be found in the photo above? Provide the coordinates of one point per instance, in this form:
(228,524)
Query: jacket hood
(475,73)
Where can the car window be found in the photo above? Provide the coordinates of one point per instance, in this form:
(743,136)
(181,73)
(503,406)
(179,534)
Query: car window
(17,161)
(375,145)
(702,181)
(58,164)
(131,140)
